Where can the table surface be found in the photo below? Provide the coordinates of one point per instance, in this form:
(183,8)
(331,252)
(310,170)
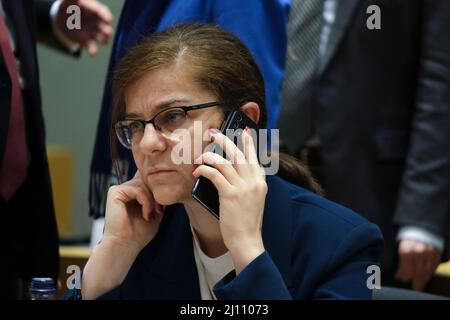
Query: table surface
(83,252)
(444,269)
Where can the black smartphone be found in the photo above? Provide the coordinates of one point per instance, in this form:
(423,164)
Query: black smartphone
(204,190)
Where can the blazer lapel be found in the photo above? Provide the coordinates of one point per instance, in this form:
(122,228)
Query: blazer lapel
(344,14)
(173,272)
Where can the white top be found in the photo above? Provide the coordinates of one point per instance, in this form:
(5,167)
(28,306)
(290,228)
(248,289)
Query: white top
(210,270)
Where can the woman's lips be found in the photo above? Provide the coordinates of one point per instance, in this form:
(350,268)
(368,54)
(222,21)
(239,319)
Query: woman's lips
(158,173)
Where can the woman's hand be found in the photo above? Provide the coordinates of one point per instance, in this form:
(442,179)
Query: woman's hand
(132,215)
(242,192)
(132,220)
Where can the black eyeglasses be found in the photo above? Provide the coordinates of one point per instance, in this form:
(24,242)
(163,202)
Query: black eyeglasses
(166,121)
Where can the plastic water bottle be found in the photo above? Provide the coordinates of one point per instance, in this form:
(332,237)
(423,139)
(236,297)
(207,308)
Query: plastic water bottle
(42,289)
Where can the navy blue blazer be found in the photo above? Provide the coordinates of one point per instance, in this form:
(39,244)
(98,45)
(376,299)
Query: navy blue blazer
(314,249)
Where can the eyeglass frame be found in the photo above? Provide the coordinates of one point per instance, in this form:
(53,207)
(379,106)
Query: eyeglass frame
(186,109)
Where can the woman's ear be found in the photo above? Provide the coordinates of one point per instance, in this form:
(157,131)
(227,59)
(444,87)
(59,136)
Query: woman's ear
(251,110)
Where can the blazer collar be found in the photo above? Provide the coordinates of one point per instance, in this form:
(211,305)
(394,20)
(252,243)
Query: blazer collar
(173,269)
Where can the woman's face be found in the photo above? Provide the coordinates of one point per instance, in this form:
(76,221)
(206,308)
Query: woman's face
(157,90)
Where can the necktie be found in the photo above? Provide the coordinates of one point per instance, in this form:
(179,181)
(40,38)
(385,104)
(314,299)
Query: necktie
(13,169)
(296,115)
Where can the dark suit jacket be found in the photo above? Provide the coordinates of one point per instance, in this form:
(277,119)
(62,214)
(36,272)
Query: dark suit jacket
(314,249)
(29,232)
(383,109)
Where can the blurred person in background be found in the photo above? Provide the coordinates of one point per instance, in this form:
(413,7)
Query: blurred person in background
(29,235)
(366,104)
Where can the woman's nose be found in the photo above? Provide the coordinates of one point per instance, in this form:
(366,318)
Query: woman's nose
(152,140)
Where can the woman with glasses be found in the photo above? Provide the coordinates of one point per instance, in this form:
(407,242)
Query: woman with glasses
(274,239)
(261,25)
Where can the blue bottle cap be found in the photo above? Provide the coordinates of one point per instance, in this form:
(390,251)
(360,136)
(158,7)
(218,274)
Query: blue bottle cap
(42,285)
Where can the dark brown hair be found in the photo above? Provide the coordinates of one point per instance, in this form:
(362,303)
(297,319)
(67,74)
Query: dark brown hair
(218,62)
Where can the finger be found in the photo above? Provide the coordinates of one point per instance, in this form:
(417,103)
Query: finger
(421,270)
(143,196)
(437,255)
(214,175)
(159,208)
(129,192)
(99,38)
(431,262)
(99,9)
(147,207)
(152,210)
(154,207)
(249,146)
(104,13)
(221,164)
(236,156)
(405,270)
(104,33)
(91,47)
(100,32)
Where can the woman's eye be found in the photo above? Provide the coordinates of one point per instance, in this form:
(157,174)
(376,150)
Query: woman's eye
(173,117)
(135,126)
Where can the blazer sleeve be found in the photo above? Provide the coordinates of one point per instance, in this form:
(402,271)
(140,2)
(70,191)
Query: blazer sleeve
(260,280)
(262,27)
(349,274)
(344,277)
(424,197)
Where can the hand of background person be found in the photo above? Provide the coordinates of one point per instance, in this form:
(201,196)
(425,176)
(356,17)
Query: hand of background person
(242,192)
(417,263)
(95,26)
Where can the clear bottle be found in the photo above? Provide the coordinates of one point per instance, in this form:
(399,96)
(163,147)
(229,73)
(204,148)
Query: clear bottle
(42,289)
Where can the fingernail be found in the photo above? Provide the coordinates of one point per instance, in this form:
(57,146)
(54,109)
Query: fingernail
(213,131)
(247,129)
